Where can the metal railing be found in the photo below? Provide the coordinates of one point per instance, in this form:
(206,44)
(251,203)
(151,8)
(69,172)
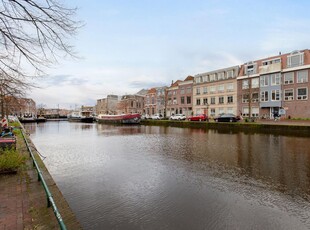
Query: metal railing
(50,200)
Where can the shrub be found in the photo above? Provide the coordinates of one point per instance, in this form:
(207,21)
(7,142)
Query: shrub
(10,160)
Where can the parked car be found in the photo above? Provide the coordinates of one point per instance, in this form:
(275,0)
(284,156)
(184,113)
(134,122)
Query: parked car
(157,116)
(178,117)
(199,117)
(227,118)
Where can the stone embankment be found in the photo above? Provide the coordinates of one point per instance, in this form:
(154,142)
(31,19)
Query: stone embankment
(23,202)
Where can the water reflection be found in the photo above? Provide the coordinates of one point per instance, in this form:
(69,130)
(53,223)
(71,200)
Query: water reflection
(154,177)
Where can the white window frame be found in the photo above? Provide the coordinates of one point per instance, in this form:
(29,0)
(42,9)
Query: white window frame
(205,90)
(230,99)
(230,87)
(198,91)
(302,76)
(255,84)
(245,84)
(276,79)
(264,80)
(295,54)
(288,97)
(303,97)
(255,99)
(275,95)
(244,99)
(263,96)
(221,100)
(289,75)
(221,88)
(230,74)
(212,89)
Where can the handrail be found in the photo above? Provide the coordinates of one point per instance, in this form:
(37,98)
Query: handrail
(50,200)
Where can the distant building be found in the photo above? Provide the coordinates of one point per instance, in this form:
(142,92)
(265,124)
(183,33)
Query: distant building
(107,105)
(215,92)
(276,85)
(179,97)
(19,106)
(133,103)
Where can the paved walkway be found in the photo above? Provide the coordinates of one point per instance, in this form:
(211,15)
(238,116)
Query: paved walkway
(23,203)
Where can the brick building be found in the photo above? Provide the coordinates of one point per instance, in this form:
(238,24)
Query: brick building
(275,85)
(215,92)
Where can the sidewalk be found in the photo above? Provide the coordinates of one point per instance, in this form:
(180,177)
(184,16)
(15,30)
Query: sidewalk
(23,203)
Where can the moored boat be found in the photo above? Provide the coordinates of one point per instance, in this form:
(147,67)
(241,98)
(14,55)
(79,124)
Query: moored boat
(27,117)
(80,116)
(134,118)
(41,119)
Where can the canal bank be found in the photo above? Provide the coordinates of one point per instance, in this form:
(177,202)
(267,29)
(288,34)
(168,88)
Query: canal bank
(23,199)
(285,127)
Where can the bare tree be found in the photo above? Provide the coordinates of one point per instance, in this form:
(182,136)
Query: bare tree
(35,31)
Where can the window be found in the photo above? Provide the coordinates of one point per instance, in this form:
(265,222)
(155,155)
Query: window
(221,88)
(212,89)
(175,101)
(289,78)
(295,59)
(212,77)
(212,100)
(245,98)
(188,100)
(245,84)
(255,111)
(198,101)
(205,101)
(302,94)
(255,83)
(221,76)
(275,79)
(221,111)
(245,111)
(230,110)
(255,97)
(221,100)
(302,76)
(182,100)
(188,90)
(264,80)
(288,94)
(269,62)
(205,90)
(212,112)
(264,96)
(230,99)
(182,91)
(230,87)
(197,91)
(250,68)
(275,95)
(230,74)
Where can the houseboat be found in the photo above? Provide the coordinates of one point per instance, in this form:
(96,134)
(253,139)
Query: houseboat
(81,116)
(134,118)
(27,117)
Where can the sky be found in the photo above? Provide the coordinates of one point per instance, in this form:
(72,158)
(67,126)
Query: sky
(125,46)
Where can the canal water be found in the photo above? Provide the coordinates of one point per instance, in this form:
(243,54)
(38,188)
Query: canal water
(152,177)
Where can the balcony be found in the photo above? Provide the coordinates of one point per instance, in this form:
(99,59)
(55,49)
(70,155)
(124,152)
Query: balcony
(271,68)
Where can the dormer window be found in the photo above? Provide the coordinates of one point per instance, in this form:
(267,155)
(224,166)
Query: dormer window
(296,58)
(250,68)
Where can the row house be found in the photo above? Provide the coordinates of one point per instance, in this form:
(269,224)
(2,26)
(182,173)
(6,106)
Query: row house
(18,106)
(131,104)
(107,105)
(150,102)
(179,97)
(275,85)
(215,92)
